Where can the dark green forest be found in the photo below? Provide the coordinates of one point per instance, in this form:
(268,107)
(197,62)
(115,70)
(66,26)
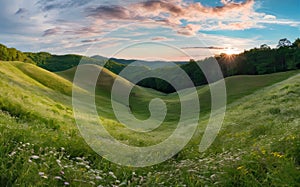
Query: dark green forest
(257,61)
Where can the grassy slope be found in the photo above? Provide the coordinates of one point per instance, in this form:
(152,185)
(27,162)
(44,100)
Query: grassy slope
(237,87)
(40,113)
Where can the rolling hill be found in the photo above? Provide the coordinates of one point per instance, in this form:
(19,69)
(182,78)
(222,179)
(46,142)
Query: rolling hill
(257,61)
(40,144)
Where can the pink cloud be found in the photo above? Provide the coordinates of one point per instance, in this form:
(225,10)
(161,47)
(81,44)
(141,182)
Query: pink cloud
(230,16)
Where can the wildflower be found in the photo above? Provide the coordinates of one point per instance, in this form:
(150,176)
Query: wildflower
(12,153)
(58,163)
(29,160)
(66,183)
(92,183)
(58,178)
(278,155)
(213,176)
(35,157)
(41,173)
(62,172)
(112,174)
(81,164)
(98,178)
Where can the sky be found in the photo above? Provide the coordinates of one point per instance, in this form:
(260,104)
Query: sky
(150,30)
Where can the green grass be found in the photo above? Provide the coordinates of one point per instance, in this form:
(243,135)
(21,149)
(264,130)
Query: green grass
(257,146)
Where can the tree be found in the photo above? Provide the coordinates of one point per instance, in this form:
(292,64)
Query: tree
(284,43)
(265,47)
(297,43)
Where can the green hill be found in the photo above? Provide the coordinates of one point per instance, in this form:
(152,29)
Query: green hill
(105,80)
(257,61)
(56,63)
(12,54)
(40,144)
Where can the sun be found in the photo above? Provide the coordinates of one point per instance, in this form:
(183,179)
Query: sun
(231,51)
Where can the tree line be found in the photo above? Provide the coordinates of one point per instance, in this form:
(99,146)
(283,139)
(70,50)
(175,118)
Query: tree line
(257,61)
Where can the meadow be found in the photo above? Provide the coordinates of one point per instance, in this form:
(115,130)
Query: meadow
(40,145)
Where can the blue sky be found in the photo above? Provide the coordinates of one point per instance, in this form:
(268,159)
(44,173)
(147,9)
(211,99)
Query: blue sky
(165,30)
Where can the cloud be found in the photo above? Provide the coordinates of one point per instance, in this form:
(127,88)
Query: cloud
(269,17)
(91,40)
(105,40)
(78,23)
(21,11)
(188,30)
(47,5)
(162,6)
(186,18)
(50,32)
(83,31)
(109,12)
(211,47)
(159,38)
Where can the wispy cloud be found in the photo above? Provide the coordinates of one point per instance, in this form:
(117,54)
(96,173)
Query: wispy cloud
(110,12)
(47,5)
(52,31)
(197,47)
(159,38)
(21,11)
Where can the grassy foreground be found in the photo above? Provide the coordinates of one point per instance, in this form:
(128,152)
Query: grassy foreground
(259,144)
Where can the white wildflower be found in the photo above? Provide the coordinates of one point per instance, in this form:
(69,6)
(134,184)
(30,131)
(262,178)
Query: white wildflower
(66,183)
(112,174)
(58,178)
(35,157)
(12,153)
(92,183)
